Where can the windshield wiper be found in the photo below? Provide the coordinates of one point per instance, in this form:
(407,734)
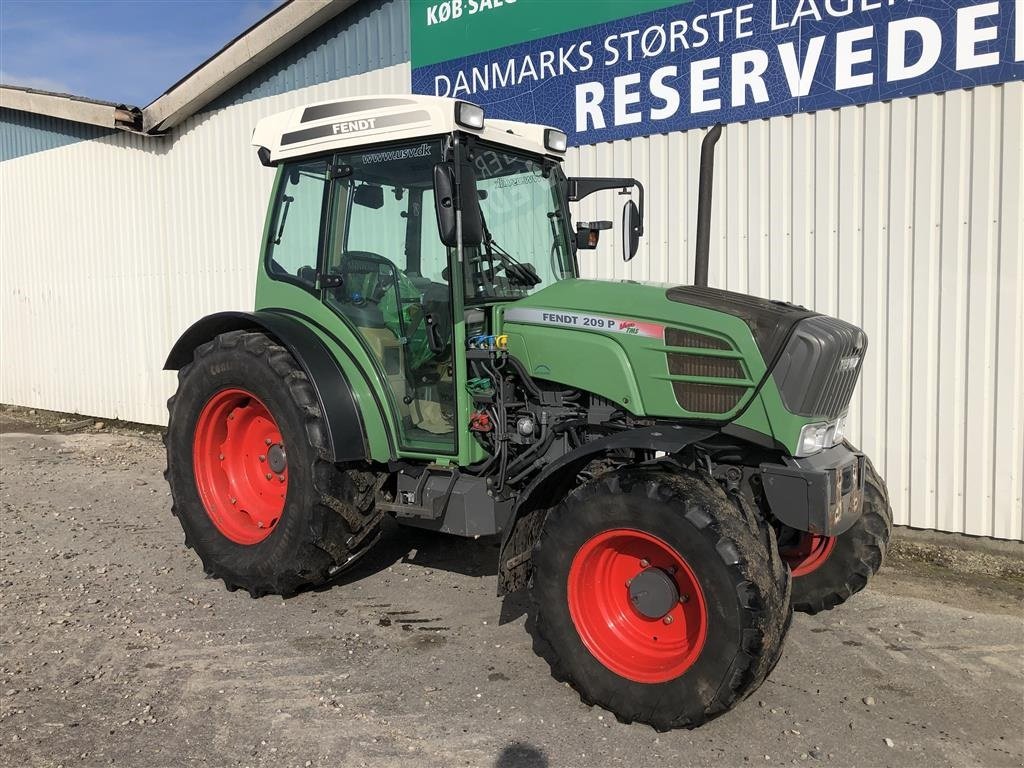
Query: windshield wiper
(516,271)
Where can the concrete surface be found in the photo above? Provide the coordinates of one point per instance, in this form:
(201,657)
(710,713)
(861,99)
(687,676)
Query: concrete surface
(115,650)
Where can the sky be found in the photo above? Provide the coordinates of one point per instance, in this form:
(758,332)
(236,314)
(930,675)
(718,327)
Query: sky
(126,51)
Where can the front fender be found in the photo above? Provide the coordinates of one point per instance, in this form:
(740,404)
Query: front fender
(559,477)
(346,433)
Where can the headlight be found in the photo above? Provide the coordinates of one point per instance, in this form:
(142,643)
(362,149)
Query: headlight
(554,140)
(469,115)
(840,433)
(812,439)
(818,437)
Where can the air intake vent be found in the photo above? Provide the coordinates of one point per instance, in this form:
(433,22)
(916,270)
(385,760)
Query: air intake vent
(707,398)
(700,365)
(674,337)
(769,321)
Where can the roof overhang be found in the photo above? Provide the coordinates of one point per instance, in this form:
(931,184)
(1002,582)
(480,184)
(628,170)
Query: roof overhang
(74,108)
(239,59)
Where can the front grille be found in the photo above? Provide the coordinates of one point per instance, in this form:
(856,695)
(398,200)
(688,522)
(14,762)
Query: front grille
(819,367)
(676,337)
(701,365)
(707,398)
(698,397)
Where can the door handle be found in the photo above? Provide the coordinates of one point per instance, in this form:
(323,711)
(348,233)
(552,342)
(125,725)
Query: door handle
(330,280)
(434,340)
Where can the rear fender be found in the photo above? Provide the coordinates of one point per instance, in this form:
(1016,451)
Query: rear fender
(559,478)
(346,433)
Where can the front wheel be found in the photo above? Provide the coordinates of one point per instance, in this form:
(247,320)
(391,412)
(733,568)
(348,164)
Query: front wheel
(658,597)
(829,570)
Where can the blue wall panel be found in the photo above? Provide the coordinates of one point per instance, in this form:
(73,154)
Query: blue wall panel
(22,133)
(370,35)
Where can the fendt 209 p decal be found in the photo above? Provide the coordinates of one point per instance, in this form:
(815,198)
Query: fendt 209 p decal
(586,322)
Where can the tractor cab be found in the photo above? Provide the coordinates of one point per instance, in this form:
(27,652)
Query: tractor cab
(407,217)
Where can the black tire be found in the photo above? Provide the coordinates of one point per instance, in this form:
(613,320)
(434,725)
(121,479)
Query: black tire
(735,558)
(328,518)
(856,555)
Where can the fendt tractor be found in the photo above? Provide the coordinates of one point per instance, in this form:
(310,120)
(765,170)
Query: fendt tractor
(666,465)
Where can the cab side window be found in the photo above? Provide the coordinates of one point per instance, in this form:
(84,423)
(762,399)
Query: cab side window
(297,224)
(377,222)
(433,253)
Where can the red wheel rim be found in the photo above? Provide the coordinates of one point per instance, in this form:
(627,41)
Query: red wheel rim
(808,553)
(630,644)
(240,466)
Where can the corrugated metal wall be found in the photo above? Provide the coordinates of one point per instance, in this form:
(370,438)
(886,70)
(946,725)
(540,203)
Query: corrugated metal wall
(110,248)
(22,133)
(905,218)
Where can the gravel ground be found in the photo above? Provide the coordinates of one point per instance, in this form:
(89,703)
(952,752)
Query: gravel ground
(115,650)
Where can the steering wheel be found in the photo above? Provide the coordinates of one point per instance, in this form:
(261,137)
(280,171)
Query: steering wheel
(355,264)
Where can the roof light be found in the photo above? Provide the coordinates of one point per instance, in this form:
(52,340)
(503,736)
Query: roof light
(469,115)
(554,140)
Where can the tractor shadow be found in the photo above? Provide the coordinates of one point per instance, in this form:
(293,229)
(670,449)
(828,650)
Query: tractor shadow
(521,755)
(425,549)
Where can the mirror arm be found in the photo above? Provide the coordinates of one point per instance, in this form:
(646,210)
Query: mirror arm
(581,187)
(640,188)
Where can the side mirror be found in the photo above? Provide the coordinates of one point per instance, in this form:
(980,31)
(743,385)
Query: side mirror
(588,234)
(446,204)
(369,196)
(630,230)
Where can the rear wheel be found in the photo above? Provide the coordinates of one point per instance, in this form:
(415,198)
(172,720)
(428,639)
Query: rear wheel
(658,597)
(257,501)
(829,570)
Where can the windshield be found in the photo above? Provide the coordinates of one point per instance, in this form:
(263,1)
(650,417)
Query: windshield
(521,200)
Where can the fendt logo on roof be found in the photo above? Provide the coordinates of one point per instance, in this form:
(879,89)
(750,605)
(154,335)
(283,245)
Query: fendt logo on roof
(354,126)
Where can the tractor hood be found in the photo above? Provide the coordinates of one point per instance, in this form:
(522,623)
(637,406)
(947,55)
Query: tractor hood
(687,352)
(629,308)
(647,309)
(627,342)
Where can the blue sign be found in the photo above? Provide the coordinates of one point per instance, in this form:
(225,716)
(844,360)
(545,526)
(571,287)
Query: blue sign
(712,61)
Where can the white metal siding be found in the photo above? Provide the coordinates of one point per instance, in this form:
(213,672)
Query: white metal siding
(905,218)
(110,248)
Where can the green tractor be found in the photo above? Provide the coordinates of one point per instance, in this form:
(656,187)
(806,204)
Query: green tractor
(665,464)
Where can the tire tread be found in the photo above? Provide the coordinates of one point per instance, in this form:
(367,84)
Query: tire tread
(747,548)
(343,523)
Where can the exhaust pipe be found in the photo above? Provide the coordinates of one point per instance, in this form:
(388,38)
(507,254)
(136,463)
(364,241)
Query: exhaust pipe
(704,192)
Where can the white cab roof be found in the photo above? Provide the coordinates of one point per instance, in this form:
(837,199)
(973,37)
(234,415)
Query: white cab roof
(366,120)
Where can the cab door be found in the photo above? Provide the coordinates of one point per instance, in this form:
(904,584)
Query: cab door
(389,280)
